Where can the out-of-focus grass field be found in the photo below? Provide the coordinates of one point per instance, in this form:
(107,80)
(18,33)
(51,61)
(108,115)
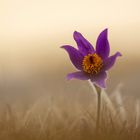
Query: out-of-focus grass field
(60,117)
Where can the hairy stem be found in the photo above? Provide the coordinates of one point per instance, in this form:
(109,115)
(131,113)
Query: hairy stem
(98,89)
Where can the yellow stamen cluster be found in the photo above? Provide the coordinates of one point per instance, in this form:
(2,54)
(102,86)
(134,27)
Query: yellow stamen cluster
(92,63)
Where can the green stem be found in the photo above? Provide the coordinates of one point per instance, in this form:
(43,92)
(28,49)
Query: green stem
(98,89)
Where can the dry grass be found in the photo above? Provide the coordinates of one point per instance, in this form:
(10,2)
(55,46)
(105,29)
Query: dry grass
(63,119)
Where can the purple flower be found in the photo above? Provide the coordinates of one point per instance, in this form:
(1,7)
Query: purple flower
(92,64)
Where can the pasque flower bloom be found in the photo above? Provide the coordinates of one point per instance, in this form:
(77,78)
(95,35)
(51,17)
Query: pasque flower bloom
(92,64)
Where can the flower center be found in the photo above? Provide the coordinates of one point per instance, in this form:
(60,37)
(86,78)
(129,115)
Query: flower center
(92,63)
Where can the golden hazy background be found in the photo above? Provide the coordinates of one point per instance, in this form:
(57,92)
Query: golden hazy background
(32,31)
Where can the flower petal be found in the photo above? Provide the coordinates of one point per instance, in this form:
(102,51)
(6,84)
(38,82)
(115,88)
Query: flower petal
(75,56)
(102,45)
(109,62)
(100,79)
(84,45)
(77,75)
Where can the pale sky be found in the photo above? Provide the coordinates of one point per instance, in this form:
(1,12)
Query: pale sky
(53,22)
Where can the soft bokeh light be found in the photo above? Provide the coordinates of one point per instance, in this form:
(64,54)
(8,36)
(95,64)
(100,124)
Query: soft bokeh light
(31,32)
(36,100)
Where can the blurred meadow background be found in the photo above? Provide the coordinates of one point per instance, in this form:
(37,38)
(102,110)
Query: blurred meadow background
(36,101)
